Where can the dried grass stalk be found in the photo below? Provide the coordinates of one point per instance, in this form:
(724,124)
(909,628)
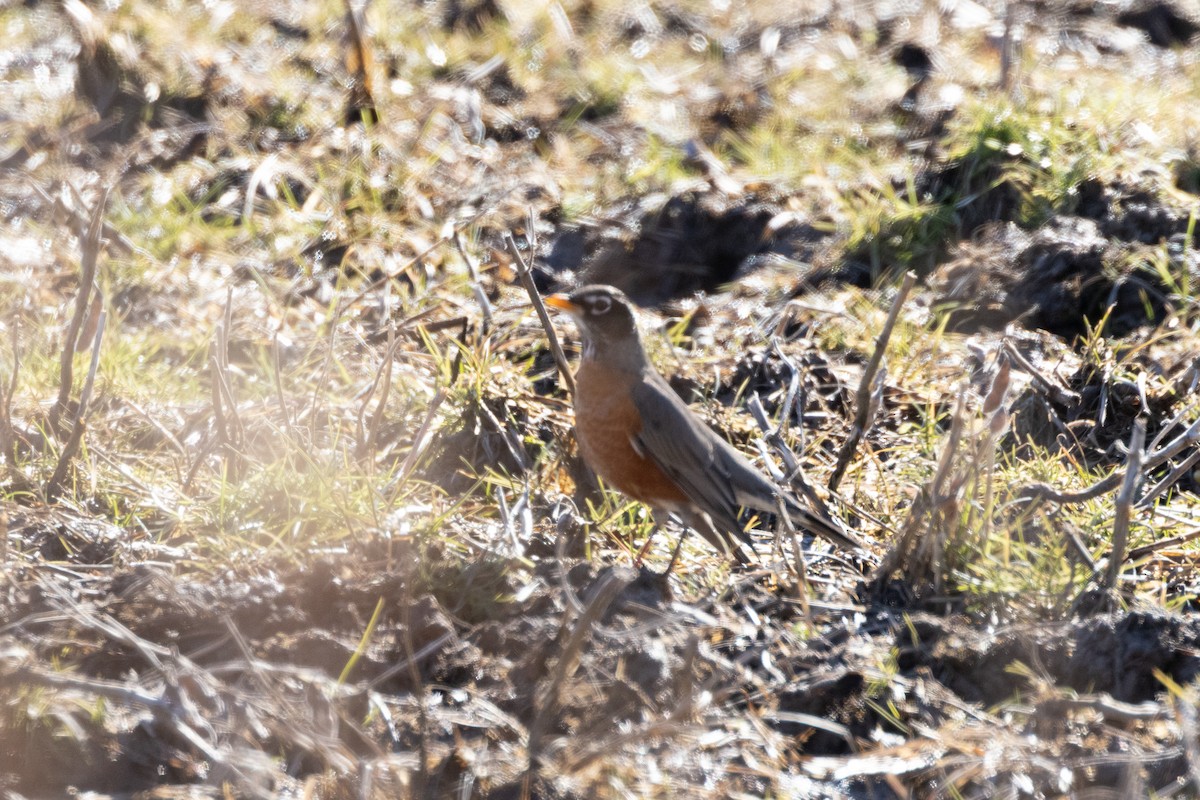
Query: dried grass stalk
(863,398)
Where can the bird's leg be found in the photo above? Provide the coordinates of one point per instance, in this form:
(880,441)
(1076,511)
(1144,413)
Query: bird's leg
(641,554)
(637,562)
(675,555)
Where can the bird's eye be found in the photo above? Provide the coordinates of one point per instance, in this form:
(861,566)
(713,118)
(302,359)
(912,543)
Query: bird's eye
(601,305)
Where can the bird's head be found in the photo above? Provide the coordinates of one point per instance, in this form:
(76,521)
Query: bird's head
(605,321)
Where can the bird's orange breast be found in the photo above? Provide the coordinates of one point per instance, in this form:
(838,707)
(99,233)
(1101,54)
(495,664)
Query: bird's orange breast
(606,420)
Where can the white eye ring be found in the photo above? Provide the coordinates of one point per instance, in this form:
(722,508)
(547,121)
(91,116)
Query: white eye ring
(601,305)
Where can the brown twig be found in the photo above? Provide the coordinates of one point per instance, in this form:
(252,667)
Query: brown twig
(1166,483)
(1042,491)
(1163,544)
(1169,426)
(76,437)
(1059,394)
(418,446)
(368,435)
(229,423)
(287,419)
(1124,503)
(1189,438)
(90,256)
(8,437)
(1103,704)
(526,277)
(863,404)
(485,305)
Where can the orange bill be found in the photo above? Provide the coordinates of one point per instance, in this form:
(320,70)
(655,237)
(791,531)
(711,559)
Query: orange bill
(561,302)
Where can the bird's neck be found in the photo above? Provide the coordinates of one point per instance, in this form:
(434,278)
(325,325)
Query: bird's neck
(624,354)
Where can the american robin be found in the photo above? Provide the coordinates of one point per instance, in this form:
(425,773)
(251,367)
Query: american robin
(640,437)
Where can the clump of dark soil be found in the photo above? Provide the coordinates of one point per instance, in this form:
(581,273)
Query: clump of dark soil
(1065,277)
(1112,654)
(657,249)
(1095,415)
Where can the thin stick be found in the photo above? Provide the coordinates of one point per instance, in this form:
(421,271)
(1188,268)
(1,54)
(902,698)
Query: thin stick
(1104,704)
(1059,394)
(8,439)
(287,419)
(862,417)
(1170,480)
(485,305)
(368,435)
(1043,491)
(1124,505)
(72,445)
(1163,544)
(526,276)
(418,446)
(87,280)
(1168,426)
(1176,446)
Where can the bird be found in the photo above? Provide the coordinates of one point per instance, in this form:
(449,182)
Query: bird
(641,438)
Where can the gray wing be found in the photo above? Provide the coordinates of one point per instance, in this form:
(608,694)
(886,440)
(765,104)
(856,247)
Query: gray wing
(716,477)
(705,466)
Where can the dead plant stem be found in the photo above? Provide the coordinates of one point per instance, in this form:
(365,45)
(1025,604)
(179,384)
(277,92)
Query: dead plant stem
(90,256)
(1124,504)
(526,276)
(862,402)
(76,438)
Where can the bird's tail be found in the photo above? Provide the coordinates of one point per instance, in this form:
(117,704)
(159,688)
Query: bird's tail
(821,525)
